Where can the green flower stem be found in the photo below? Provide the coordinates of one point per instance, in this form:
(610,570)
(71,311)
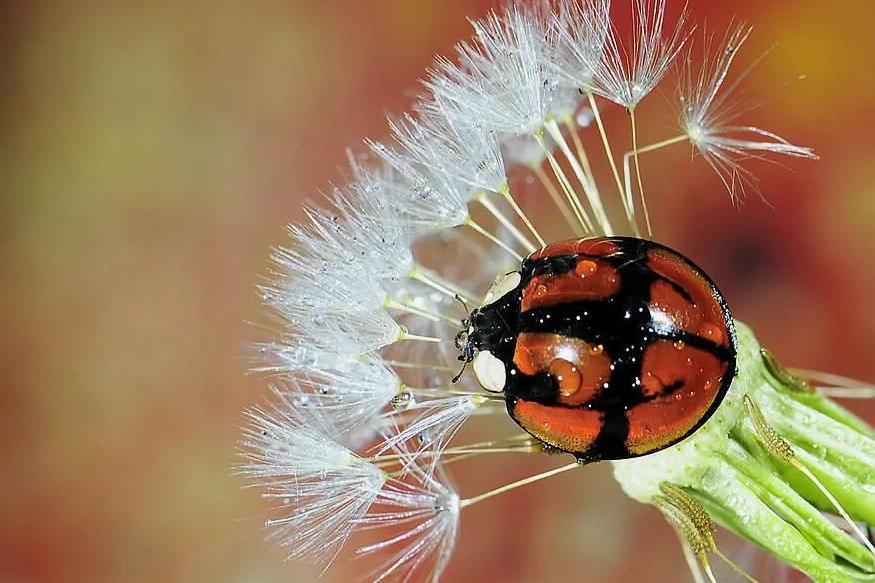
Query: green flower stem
(761,497)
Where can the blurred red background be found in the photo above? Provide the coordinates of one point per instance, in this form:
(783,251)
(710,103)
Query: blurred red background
(151,155)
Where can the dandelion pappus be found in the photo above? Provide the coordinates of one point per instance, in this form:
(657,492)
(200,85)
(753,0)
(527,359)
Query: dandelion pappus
(607,345)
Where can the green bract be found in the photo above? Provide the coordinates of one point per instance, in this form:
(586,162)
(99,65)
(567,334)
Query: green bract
(726,468)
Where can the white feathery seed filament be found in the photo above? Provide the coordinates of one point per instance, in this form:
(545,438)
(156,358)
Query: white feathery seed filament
(577,34)
(353,329)
(321,489)
(350,395)
(426,509)
(312,283)
(500,82)
(708,110)
(434,425)
(626,76)
(379,240)
(292,354)
(427,199)
(468,152)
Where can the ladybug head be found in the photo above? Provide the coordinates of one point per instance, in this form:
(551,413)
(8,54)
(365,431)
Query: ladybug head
(465,346)
(489,331)
(464,343)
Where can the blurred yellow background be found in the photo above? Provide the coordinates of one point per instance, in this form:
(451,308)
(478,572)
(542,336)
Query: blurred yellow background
(151,155)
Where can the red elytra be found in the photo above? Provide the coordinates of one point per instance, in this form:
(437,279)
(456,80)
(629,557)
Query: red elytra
(613,347)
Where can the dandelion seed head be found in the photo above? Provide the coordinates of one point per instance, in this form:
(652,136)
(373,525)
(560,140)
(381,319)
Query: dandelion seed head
(376,292)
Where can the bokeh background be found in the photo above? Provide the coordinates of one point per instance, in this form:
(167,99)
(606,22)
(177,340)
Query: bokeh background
(150,155)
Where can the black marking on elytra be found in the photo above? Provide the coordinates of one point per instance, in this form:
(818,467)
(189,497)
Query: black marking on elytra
(621,324)
(584,320)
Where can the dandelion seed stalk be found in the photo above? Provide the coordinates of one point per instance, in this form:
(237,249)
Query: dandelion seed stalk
(556,198)
(638,174)
(573,200)
(483,198)
(625,196)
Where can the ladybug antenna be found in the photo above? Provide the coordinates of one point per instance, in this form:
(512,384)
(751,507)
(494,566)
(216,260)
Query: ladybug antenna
(464,305)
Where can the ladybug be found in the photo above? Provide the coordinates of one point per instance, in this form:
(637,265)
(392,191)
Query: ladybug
(607,348)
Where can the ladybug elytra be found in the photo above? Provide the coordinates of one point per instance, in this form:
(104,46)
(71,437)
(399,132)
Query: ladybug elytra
(606,348)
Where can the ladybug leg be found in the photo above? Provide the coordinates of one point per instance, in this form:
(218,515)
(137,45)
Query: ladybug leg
(695,528)
(778,447)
